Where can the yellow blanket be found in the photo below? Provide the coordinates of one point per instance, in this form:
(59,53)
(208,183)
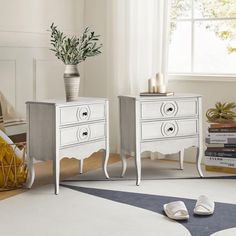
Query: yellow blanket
(13,172)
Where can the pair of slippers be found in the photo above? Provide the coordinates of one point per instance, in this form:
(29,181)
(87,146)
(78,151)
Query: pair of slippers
(178,211)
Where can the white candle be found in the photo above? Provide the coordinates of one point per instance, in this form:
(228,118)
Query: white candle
(160,78)
(150,85)
(161,88)
(153,85)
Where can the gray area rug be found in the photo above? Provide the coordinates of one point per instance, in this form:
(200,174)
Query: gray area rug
(223,218)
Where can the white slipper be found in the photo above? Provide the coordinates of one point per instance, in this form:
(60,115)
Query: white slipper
(204,206)
(176,210)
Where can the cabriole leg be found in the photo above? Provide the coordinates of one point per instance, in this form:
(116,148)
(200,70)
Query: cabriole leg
(105,162)
(138,168)
(198,161)
(56,171)
(31,172)
(81,166)
(181,159)
(124,162)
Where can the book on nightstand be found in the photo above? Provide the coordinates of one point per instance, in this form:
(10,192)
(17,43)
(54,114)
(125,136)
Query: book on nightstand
(220,161)
(221,169)
(223,125)
(220,155)
(157,94)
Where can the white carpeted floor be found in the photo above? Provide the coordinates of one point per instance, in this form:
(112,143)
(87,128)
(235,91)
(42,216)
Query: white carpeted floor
(41,213)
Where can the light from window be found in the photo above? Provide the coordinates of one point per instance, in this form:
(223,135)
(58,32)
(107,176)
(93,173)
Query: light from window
(203,37)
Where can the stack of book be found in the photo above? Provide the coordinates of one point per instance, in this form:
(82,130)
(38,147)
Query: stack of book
(220,154)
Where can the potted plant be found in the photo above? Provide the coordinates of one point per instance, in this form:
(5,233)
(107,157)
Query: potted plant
(72,51)
(222,112)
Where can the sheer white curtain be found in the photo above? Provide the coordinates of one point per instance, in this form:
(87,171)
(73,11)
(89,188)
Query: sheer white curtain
(137,49)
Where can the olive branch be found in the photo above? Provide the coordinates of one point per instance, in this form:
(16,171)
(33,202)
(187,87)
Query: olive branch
(74,50)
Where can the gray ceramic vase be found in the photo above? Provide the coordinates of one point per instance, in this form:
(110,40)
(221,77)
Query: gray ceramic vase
(72,82)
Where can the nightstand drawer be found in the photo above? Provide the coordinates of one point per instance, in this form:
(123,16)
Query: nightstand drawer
(161,109)
(171,128)
(75,114)
(82,133)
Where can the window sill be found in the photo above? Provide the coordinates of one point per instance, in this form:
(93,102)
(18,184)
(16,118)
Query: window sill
(202,77)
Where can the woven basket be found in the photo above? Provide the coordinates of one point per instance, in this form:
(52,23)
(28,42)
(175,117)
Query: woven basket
(13,172)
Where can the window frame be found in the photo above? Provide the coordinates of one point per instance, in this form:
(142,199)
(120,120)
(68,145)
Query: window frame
(201,77)
(194,76)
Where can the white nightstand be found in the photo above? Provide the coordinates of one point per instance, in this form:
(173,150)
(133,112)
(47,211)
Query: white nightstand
(58,129)
(160,124)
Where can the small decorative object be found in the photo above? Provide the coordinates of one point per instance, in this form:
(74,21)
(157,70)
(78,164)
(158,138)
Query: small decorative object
(72,51)
(152,85)
(160,87)
(72,82)
(157,94)
(222,112)
(157,87)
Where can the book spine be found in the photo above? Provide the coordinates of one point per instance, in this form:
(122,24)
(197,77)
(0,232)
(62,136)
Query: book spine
(223,125)
(221,145)
(221,154)
(221,140)
(222,135)
(223,162)
(230,145)
(220,149)
(221,169)
(222,130)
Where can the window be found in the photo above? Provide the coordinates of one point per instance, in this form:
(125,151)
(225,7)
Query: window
(203,37)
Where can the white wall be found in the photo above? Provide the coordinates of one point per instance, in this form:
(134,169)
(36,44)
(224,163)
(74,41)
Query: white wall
(95,68)
(28,70)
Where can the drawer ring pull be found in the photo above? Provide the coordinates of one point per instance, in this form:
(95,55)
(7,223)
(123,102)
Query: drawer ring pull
(83,113)
(169,109)
(170,129)
(83,133)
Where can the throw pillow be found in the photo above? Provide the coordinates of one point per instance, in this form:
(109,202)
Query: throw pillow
(1,119)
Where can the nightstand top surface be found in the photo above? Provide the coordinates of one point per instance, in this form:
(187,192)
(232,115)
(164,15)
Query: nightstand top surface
(175,96)
(58,102)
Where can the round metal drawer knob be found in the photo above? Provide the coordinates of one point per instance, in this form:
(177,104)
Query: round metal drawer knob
(169,129)
(83,133)
(169,109)
(83,113)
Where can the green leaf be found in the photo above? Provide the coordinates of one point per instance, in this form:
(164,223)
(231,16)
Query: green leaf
(73,50)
